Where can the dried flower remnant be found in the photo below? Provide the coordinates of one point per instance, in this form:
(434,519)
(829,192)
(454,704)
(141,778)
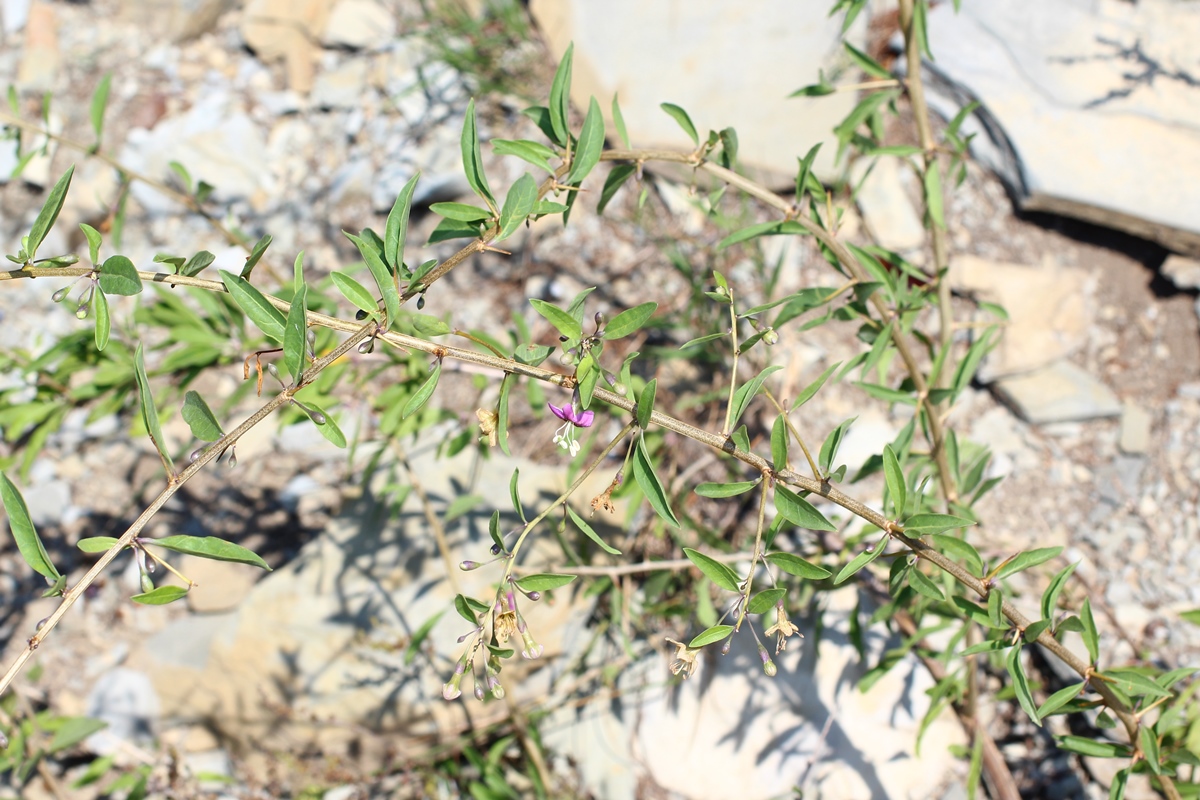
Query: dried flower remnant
(604,499)
(783,627)
(564,437)
(684,662)
(488,420)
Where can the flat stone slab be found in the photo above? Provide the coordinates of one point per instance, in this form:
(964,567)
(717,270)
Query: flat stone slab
(725,64)
(1091,108)
(1060,392)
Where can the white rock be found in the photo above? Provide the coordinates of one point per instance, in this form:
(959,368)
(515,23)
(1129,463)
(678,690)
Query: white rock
(1184,272)
(1073,91)
(358,24)
(725,65)
(1060,392)
(1135,429)
(886,209)
(341,87)
(14,14)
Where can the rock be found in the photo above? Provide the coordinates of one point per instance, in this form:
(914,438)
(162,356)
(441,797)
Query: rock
(176,20)
(1184,272)
(37,171)
(358,24)
(341,87)
(47,501)
(94,188)
(40,59)
(126,700)
(696,740)
(1049,310)
(13,15)
(725,67)
(1060,392)
(1135,430)
(215,144)
(1072,91)
(886,209)
(287,30)
(220,586)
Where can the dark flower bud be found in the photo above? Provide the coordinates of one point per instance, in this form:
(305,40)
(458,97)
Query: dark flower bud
(599,322)
(467,566)
(420,302)
(534,596)
(195,454)
(361,315)
(366,347)
(725,647)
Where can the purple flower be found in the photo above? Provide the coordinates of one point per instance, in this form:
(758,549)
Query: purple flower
(564,437)
(567,413)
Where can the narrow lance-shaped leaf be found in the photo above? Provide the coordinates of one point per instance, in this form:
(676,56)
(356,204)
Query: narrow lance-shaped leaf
(24,532)
(798,511)
(589,532)
(383,279)
(718,573)
(643,473)
(295,336)
(645,404)
(747,392)
(1021,685)
(779,443)
(254,304)
(679,115)
(544,581)
(629,321)
(160,596)
(566,324)
(473,158)
(714,634)
(560,98)
(327,426)
(894,476)
(103,321)
(149,412)
(210,547)
(99,103)
(724,489)
(200,418)
(795,565)
(256,254)
(422,395)
(933,195)
(518,204)
(49,213)
(72,731)
(396,230)
(616,178)
(506,385)
(589,146)
(356,293)
(534,153)
(619,121)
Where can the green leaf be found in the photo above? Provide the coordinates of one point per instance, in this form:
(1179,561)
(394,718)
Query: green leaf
(779,443)
(419,637)
(679,115)
(1059,699)
(395,232)
(197,263)
(805,180)
(590,533)
(49,213)
(119,276)
(1149,742)
(714,634)
(589,145)
(473,159)
(72,731)
(256,254)
(383,279)
(295,336)
(894,476)
(643,473)
(814,387)
(209,547)
(544,581)
(514,493)
(619,121)
(518,205)
(925,524)
(428,326)
(957,548)
(724,489)
(861,560)
(1091,638)
(534,153)
(1192,616)
(720,574)
(356,293)
(615,180)
(1133,683)
(560,98)
(96,544)
(702,339)
(464,610)
(1027,560)
(94,241)
(99,103)
(160,596)
(798,511)
(24,532)
(422,395)
(629,321)
(1092,747)
(645,404)
(923,585)
(567,325)
(1021,685)
(462,212)
(103,321)
(866,63)
(933,195)
(266,317)
(772,228)
(506,385)
(588,375)
(765,600)
(794,565)
(329,428)
(831,445)
(149,412)
(200,418)
(1050,596)
(747,392)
